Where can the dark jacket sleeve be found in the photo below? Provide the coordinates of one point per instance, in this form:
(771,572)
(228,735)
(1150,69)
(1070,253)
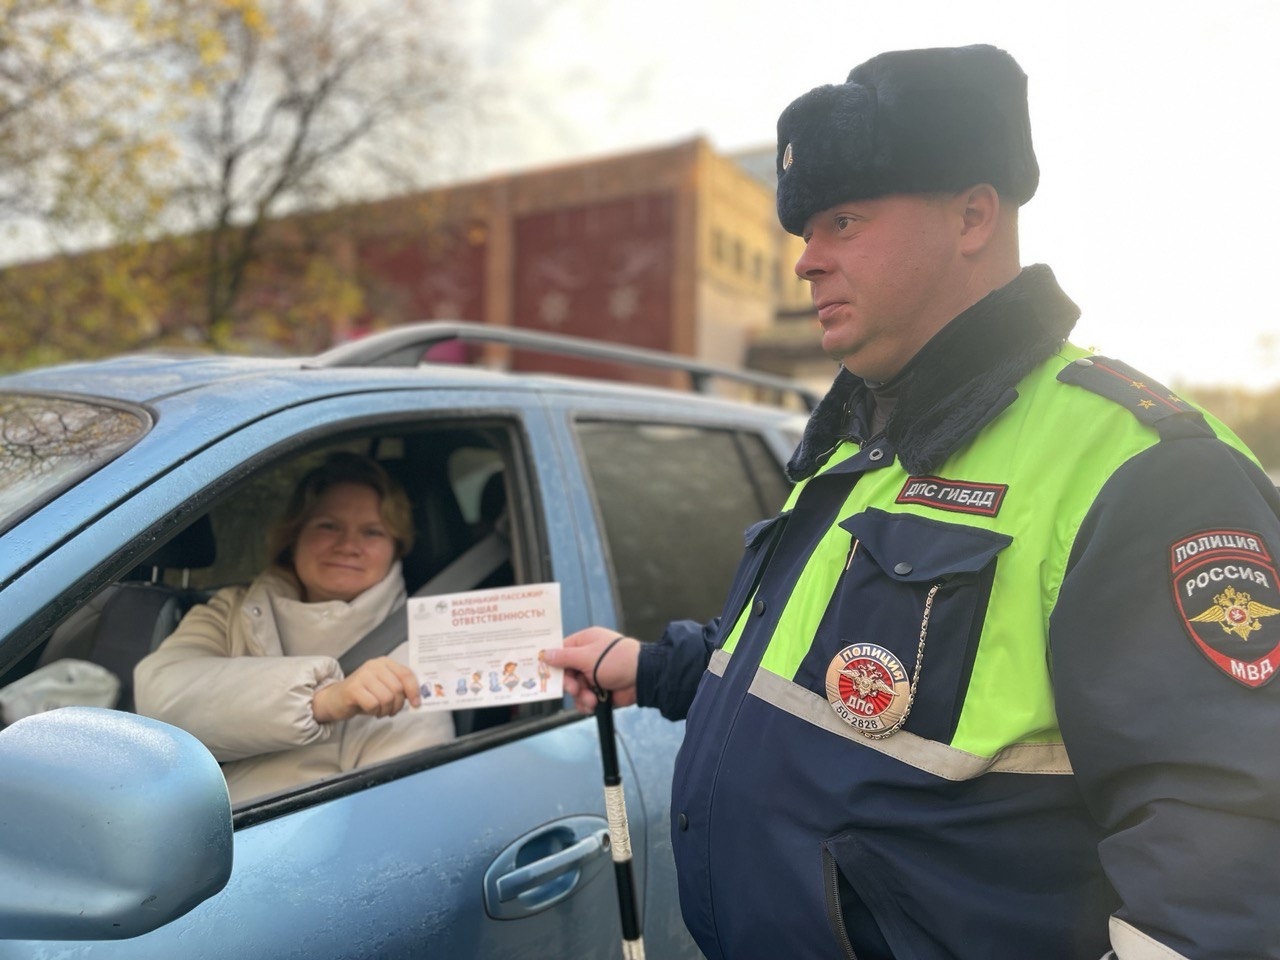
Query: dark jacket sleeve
(669,671)
(1178,759)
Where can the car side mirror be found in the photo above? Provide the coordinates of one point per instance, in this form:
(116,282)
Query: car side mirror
(111,825)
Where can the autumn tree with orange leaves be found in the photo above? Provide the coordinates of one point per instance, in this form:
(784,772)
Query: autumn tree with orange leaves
(169,138)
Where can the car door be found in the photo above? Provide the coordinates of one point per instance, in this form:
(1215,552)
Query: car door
(662,493)
(492,845)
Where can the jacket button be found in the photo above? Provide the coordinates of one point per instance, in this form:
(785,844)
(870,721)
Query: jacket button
(683,822)
(902,569)
(257,611)
(1083,362)
(759,607)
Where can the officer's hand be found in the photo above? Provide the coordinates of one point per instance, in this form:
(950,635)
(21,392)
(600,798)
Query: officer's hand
(616,673)
(378,688)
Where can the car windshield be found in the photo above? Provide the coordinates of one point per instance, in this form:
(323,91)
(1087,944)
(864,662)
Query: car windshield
(49,443)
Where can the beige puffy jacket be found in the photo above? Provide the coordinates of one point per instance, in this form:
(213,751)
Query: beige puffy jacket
(240,671)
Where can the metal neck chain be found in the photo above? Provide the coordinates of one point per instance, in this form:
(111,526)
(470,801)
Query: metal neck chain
(915,674)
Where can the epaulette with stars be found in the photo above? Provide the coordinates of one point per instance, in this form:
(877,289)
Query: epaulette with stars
(1152,403)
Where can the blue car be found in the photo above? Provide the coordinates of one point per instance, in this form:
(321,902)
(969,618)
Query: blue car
(132,488)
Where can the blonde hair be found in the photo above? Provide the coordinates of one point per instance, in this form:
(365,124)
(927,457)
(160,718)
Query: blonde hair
(393,503)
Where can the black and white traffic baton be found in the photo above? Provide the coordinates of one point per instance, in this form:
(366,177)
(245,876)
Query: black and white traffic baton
(616,810)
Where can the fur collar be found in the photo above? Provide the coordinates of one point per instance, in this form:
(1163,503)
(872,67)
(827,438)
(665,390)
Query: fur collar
(958,382)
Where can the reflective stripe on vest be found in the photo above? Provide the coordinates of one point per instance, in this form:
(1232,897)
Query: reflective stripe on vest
(1007,720)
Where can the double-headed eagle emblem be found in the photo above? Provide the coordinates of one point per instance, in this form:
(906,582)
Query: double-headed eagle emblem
(866,682)
(1236,612)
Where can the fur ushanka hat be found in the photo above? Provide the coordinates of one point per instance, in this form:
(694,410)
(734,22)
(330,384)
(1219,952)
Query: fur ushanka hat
(909,121)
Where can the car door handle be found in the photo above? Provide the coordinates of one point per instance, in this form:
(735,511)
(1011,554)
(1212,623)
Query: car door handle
(539,872)
(545,866)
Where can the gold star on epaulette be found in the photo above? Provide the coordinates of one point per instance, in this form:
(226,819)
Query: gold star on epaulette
(1137,385)
(1146,404)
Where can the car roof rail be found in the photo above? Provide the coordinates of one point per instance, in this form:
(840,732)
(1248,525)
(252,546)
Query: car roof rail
(404,346)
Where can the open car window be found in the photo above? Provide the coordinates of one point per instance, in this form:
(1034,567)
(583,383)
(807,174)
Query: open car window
(462,481)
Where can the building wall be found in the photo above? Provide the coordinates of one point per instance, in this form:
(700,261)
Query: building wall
(737,260)
(415,278)
(600,249)
(602,271)
(676,248)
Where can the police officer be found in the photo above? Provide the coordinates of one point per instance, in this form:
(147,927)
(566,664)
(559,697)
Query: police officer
(997,682)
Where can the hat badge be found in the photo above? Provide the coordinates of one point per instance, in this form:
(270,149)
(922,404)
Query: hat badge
(787,157)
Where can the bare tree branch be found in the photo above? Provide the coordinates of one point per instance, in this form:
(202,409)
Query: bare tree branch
(187,138)
(302,105)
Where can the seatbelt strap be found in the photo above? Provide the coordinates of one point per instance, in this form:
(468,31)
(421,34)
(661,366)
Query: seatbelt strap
(465,571)
(473,566)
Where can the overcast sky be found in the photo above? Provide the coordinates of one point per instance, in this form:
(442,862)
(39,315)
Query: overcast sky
(1155,125)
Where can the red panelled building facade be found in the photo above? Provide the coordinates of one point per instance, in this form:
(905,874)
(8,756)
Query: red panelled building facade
(675,249)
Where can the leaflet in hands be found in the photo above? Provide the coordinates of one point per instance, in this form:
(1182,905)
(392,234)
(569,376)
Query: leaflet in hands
(483,648)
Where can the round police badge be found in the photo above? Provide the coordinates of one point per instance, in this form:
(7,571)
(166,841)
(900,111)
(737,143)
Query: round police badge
(868,688)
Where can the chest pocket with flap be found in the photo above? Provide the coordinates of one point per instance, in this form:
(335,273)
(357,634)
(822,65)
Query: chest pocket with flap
(882,596)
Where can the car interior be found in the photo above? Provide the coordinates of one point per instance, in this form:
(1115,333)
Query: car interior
(472,532)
